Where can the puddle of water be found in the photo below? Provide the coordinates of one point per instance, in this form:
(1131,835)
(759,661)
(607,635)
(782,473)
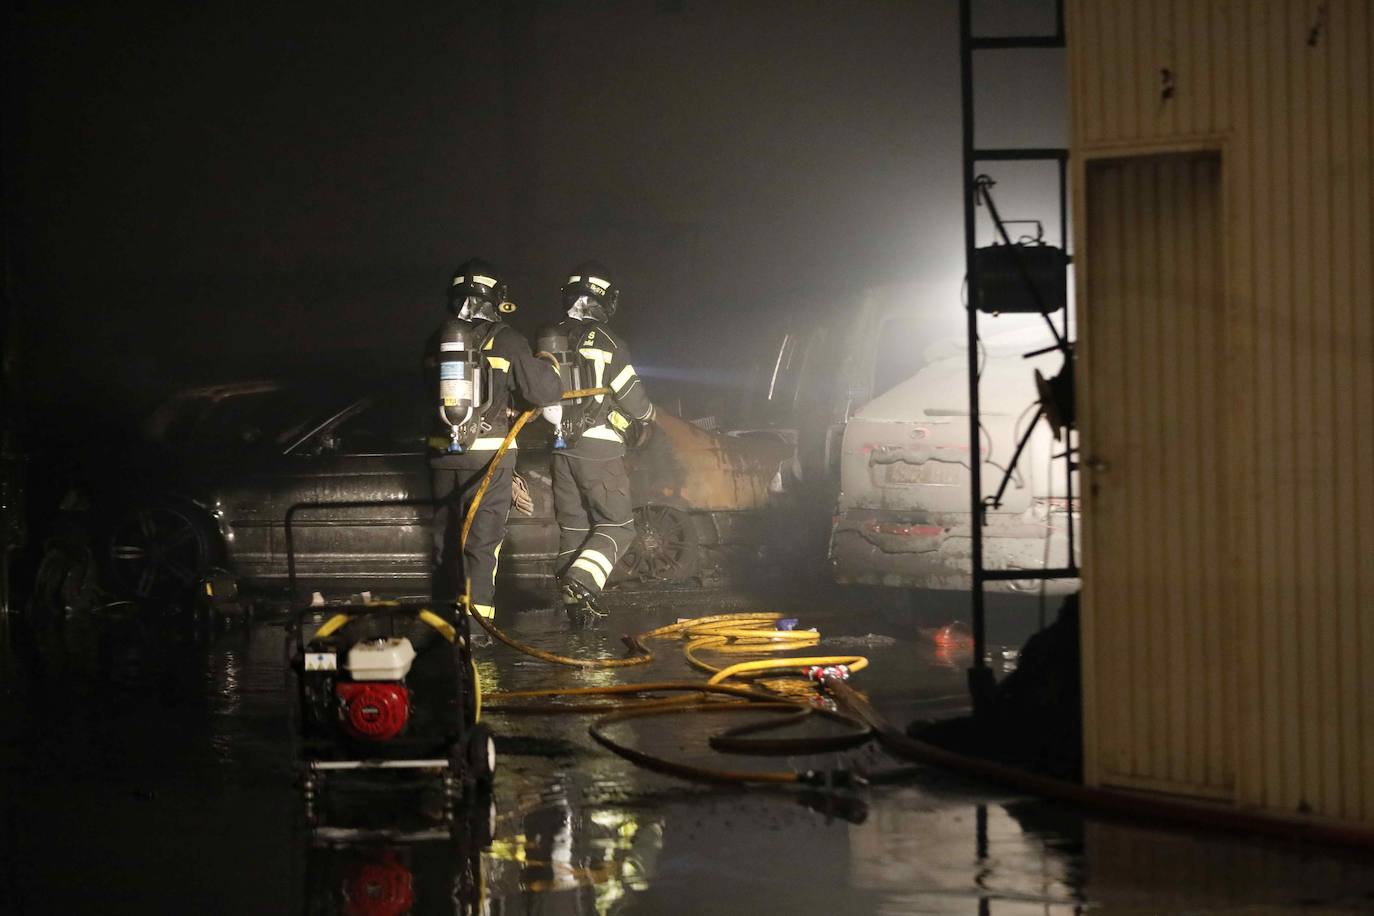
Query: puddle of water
(158,762)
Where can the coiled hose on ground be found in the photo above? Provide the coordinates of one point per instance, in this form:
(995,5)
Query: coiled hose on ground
(748,633)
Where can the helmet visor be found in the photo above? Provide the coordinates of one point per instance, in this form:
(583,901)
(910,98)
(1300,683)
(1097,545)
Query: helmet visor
(580,305)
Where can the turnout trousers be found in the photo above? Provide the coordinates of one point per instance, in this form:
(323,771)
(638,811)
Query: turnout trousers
(596,526)
(454,489)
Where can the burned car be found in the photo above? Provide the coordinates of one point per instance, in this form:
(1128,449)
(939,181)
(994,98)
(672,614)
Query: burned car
(217,468)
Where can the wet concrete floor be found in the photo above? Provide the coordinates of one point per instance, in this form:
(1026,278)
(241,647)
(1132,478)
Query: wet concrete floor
(145,770)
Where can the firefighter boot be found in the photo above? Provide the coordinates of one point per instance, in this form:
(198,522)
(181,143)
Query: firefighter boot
(580,604)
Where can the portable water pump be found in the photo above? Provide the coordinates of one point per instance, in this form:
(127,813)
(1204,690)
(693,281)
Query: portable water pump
(384,685)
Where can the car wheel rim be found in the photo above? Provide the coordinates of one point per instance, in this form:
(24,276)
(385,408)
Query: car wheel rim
(664,545)
(156,552)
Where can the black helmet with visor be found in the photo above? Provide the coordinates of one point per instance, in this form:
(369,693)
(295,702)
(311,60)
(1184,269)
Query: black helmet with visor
(478,292)
(589,293)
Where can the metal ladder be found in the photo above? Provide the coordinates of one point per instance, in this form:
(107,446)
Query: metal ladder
(976,192)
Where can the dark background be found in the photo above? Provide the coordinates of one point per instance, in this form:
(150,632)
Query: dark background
(211,191)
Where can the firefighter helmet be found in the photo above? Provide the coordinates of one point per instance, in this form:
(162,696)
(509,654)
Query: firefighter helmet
(590,293)
(477,291)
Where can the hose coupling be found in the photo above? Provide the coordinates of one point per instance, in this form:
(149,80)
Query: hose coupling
(819,700)
(827,672)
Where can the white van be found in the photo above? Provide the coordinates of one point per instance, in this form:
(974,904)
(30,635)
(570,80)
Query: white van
(902,516)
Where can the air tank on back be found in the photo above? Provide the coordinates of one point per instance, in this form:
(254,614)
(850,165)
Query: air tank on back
(460,379)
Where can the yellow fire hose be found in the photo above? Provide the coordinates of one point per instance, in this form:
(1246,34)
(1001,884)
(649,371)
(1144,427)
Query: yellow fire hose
(749,633)
(746,633)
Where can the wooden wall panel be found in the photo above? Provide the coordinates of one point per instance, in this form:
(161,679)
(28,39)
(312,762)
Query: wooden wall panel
(1281,90)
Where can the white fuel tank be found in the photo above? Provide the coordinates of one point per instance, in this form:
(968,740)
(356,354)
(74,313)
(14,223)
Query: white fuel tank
(381,659)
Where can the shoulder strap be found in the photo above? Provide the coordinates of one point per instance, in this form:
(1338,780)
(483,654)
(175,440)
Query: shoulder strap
(490,334)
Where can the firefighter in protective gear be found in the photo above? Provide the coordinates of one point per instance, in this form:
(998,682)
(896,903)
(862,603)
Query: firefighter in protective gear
(477,295)
(591,489)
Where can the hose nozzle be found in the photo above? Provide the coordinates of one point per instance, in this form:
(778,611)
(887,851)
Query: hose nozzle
(832,779)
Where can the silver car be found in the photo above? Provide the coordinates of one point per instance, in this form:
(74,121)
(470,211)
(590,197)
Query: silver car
(218,468)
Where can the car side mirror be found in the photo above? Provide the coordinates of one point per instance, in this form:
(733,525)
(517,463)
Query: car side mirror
(326,443)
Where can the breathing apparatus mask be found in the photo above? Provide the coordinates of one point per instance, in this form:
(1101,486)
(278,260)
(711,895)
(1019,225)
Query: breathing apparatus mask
(584,308)
(479,305)
(474,308)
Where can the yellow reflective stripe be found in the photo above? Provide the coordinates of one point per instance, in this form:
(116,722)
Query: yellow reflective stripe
(491,342)
(484,610)
(491,444)
(443,626)
(618,420)
(498,362)
(590,569)
(623,378)
(331,626)
(599,360)
(603,432)
(496,561)
(599,558)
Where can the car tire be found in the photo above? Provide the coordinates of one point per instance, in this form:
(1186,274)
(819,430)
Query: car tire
(666,545)
(158,551)
(66,580)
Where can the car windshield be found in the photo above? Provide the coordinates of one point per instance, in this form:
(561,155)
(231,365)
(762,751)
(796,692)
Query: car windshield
(393,418)
(241,417)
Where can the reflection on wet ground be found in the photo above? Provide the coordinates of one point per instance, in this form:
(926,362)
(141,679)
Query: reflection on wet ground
(146,769)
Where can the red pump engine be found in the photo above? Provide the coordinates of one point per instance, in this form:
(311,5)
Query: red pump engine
(374,710)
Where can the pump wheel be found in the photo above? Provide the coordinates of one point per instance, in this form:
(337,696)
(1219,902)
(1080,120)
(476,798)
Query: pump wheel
(157,552)
(479,755)
(665,545)
(484,822)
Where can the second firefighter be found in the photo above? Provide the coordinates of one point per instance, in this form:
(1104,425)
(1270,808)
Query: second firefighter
(591,488)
